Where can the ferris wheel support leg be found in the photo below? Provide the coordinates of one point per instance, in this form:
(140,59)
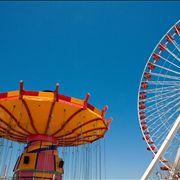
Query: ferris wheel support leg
(176,163)
(162,149)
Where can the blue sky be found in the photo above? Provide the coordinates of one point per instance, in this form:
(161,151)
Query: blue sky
(96,47)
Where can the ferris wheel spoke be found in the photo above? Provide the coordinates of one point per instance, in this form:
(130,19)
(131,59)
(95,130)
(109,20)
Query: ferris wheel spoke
(161,125)
(152,121)
(162,102)
(160,135)
(159,101)
(157,96)
(169,154)
(162,96)
(159,139)
(166,76)
(161,109)
(157,119)
(154,116)
(176,45)
(170,70)
(161,89)
(177,83)
(150,109)
(165,59)
(176,163)
(153,108)
(172,54)
(172,151)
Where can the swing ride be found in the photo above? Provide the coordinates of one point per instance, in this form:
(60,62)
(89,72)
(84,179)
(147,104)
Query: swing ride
(41,123)
(159,106)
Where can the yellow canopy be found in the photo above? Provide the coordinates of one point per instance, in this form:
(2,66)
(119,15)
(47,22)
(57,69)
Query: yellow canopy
(72,121)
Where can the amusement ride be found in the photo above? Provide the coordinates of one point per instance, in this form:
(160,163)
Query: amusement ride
(159,106)
(36,125)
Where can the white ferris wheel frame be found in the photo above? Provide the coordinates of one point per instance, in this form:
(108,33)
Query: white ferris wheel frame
(158,156)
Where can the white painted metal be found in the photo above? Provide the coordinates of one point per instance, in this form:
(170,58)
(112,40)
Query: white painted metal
(176,164)
(162,149)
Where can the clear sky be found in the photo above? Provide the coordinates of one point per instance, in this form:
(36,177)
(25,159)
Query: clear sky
(96,47)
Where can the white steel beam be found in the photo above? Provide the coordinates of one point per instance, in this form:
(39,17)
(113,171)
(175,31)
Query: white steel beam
(175,167)
(162,149)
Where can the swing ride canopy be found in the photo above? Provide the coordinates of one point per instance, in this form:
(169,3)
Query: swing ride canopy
(66,121)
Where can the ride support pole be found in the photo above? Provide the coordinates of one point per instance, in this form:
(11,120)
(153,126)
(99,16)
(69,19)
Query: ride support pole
(176,163)
(162,149)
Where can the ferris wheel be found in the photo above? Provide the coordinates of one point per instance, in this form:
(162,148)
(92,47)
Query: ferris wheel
(159,105)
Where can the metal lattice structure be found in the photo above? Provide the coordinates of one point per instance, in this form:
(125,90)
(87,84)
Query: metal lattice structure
(159,100)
